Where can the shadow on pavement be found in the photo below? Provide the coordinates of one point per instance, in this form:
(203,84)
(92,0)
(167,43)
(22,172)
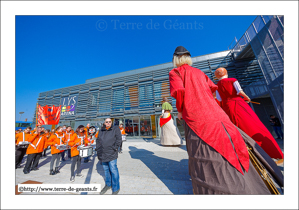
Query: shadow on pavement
(170,172)
(63,163)
(100,169)
(44,161)
(157,141)
(89,166)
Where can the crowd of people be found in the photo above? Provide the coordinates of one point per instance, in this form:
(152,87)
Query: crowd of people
(65,142)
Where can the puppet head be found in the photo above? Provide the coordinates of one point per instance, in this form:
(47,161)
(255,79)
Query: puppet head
(181,56)
(92,130)
(220,72)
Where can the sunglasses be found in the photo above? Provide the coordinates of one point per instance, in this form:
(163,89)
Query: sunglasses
(108,122)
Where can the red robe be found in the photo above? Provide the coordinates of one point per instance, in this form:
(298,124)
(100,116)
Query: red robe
(245,118)
(193,90)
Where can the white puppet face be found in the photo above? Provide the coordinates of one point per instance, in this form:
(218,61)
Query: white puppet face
(92,131)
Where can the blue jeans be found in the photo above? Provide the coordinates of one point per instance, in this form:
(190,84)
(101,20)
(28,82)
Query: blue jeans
(111,174)
(278,131)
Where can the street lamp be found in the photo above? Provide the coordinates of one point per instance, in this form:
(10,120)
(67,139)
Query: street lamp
(20,115)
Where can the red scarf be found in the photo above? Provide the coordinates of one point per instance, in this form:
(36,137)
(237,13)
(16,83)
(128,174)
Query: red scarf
(163,121)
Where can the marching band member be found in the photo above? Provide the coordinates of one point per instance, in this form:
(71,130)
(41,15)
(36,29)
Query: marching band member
(77,139)
(34,130)
(43,131)
(123,132)
(52,131)
(56,139)
(81,134)
(240,113)
(34,150)
(47,134)
(21,150)
(68,134)
(86,128)
(91,138)
(63,152)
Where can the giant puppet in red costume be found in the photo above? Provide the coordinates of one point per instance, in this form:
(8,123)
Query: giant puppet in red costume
(218,158)
(240,113)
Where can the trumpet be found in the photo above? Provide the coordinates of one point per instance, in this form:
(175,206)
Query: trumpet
(262,172)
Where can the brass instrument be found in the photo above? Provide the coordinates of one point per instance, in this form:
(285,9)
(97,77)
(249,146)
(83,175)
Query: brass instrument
(262,172)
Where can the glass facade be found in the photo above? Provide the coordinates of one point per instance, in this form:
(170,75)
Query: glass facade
(134,97)
(265,40)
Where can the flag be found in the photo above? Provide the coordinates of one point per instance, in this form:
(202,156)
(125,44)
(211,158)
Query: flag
(48,115)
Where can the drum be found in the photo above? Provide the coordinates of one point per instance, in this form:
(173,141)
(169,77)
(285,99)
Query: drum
(124,137)
(85,151)
(61,147)
(23,144)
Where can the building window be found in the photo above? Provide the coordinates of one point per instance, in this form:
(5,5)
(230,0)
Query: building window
(145,126)
(131,97)
(161,89)
(146,96)
(118,100)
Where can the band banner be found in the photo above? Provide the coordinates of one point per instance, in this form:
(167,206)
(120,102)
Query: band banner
(49,115)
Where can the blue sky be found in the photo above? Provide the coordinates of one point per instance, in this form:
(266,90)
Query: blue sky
(53,52)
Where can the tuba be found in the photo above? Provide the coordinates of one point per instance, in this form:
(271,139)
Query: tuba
(263,173)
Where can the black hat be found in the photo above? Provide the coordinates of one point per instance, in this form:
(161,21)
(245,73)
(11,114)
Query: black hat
(180,50)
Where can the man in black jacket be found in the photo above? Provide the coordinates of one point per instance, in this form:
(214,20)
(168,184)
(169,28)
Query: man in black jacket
(107,144)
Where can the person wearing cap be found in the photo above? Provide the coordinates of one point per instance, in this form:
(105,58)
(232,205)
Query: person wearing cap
(170,134)
(218,157)
(240,113)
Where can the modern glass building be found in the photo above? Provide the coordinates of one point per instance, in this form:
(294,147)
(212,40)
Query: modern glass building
(134,97)
(264,40)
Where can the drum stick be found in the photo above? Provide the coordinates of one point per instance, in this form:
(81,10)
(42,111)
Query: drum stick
(254,102)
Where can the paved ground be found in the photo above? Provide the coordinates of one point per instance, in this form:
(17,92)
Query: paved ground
(145,167)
